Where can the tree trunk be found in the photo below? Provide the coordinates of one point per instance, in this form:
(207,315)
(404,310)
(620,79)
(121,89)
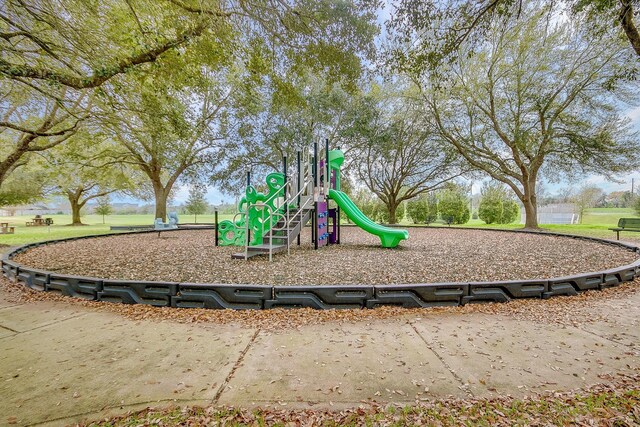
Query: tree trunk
(626,21)
(530,203)
(161,195)
(74,201)
(391,210)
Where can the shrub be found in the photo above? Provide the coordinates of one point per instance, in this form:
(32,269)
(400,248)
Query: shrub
(497,205)
(636,205)
(423,209)
(453,204)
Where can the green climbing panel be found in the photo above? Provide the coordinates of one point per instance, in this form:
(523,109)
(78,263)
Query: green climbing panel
(232,233)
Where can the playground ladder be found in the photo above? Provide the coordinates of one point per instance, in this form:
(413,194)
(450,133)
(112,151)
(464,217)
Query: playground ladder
(288,225)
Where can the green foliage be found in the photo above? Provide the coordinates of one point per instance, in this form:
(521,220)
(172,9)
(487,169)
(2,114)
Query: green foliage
(395,154)
(373,208)
(491,107)
(423,209)
(196,203)
(450,25)
(291,116)
(22,187)
(497,204)
(103,207)
(636,205)
(453,204)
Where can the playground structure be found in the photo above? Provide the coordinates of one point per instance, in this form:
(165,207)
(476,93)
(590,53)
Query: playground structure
(270,223)
(159,225)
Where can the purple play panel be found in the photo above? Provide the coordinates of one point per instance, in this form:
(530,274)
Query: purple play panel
(322,223)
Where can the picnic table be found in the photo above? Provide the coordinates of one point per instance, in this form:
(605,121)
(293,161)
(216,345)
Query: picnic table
(6,229)
(38,221)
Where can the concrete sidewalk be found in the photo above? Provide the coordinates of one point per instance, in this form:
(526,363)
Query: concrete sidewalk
(62,363)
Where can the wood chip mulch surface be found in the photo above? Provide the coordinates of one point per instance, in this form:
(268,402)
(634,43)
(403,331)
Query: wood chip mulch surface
(430,255)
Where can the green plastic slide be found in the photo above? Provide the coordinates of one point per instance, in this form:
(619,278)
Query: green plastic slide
(389,237)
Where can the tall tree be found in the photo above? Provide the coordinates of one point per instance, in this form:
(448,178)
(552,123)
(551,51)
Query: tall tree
(103,206)
(76,171)
(400,158)
(311,108)
(53,54)
(534,101)
(78,46)
(587,196)
(82,44)
(171,130)
(196,204)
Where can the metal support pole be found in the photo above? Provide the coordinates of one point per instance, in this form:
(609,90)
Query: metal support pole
(315,225)
(298,188)
(338,225)
(247,216)
(215,213)
(327,175)
(284,172)
(316,163)
(284,167)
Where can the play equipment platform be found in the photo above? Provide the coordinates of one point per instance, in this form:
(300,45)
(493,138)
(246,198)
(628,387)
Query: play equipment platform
(270,223)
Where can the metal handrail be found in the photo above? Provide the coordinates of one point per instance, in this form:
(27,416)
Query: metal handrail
(298,212)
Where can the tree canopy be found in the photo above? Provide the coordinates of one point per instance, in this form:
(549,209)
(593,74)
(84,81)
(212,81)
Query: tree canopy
(535,101)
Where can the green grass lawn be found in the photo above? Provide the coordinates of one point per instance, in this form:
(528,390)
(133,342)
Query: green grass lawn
(595,223)
(60,228)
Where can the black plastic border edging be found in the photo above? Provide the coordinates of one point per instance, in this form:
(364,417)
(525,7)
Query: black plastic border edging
(232,296)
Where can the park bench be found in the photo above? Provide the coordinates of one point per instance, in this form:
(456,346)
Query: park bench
(627,224)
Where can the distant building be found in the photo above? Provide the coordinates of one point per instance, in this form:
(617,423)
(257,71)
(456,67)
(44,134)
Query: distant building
(35,209)
(556,213)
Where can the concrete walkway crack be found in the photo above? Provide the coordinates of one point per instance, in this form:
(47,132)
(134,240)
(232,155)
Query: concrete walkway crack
(464,387)
(607,338)
(10,306)
(235,368)
(43,325)
(9,329)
